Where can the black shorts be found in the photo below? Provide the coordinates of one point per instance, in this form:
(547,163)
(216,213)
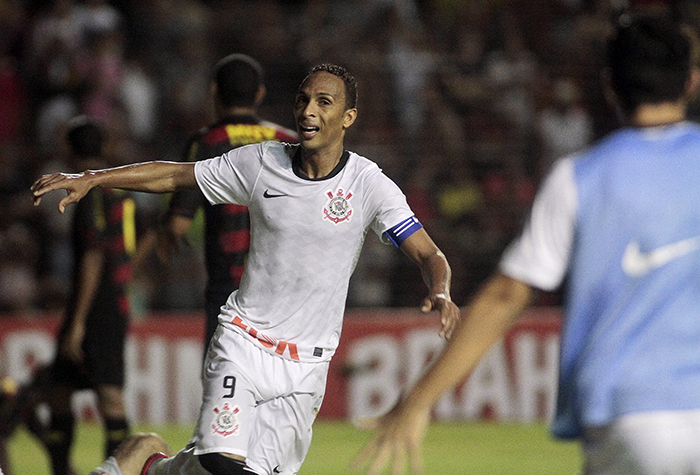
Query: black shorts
(103,351)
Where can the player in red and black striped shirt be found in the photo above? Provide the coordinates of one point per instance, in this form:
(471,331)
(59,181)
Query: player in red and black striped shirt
(238,91)
(90,348)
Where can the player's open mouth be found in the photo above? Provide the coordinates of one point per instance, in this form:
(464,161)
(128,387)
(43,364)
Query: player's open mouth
(307,131)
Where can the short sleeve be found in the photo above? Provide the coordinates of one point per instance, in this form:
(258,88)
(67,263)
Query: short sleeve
(230,177)
(386,204)
(540,255)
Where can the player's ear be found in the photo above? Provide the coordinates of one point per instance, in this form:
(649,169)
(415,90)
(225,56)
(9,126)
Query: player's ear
(260,95)
(349,117)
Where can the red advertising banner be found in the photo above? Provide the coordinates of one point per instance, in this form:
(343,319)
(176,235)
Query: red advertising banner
(382,352)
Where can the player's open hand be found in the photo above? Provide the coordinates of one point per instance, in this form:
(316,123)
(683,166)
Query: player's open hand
(71,346)
(449,312)
(397,443)
(76,186)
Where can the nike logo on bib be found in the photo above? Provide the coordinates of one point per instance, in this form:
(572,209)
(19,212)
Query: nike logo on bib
(637,264)
(267,194)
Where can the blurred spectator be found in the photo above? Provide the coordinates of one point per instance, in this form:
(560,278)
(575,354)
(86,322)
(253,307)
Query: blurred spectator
(98,17)
(563,125)
(410,62)
(140,97)
(511,70)
(19,250)
(463,95)
(13,101)
(55,49)
(104,72)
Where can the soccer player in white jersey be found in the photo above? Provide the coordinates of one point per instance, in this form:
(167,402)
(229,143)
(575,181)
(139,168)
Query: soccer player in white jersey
(619,226)
(310,207)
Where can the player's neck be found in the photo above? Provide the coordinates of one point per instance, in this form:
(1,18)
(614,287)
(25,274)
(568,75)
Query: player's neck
(654,115)
(320,163)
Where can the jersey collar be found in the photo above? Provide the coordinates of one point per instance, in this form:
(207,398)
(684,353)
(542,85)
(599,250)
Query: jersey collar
(296,166)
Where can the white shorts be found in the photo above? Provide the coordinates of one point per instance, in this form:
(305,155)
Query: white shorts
(184,462)
(649,443)
(258,405)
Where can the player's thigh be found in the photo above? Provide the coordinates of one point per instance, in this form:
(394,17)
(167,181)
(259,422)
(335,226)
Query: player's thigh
(183,462)
(653,443)
(228,403)
(282,432)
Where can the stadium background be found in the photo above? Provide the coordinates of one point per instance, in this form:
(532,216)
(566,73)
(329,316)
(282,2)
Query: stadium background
(464,103)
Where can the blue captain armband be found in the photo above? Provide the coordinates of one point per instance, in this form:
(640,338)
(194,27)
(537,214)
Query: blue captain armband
(399,233)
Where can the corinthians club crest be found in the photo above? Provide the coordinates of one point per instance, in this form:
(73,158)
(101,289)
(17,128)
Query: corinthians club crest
(338,208)
(226,422)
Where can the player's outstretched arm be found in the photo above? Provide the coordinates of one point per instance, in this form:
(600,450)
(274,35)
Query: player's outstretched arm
(421,249)
(399,434)
(151,177)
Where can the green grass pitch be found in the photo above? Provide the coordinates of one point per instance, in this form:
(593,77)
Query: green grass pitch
(482,448)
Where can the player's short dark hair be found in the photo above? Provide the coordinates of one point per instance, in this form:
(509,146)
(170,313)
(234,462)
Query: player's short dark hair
(649,58)
(238,78)
(342,73)
(85,137)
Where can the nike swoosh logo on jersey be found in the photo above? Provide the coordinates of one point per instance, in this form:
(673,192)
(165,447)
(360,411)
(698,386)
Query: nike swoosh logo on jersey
(637,264)
(276,469)
(267,194)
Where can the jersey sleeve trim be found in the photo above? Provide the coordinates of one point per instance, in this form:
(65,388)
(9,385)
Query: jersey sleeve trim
(399,233)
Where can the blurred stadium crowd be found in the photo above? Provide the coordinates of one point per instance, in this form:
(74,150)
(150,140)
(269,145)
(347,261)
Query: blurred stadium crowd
(464,103)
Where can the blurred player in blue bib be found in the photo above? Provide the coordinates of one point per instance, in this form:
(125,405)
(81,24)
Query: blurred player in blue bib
(619,226)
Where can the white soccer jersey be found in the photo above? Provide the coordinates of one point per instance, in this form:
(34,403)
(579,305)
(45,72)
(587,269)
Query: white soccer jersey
(306,236)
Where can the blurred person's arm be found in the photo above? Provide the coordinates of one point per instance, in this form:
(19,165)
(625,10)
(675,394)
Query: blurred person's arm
(88,281)
(400,433)
(165,240)
(539,259)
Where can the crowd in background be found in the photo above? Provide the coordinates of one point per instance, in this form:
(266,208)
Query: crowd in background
(465,104)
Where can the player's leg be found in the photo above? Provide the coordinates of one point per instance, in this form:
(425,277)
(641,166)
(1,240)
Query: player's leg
(186,462)
(282,434)
(224,464)
(31,401)
(103,349)
(19,404)
(58,438)
(129,458)
(228,399)
(111,405)
(282,428)
(9,418)
(4,457)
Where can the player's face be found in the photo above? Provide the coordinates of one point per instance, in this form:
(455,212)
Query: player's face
(320,112)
